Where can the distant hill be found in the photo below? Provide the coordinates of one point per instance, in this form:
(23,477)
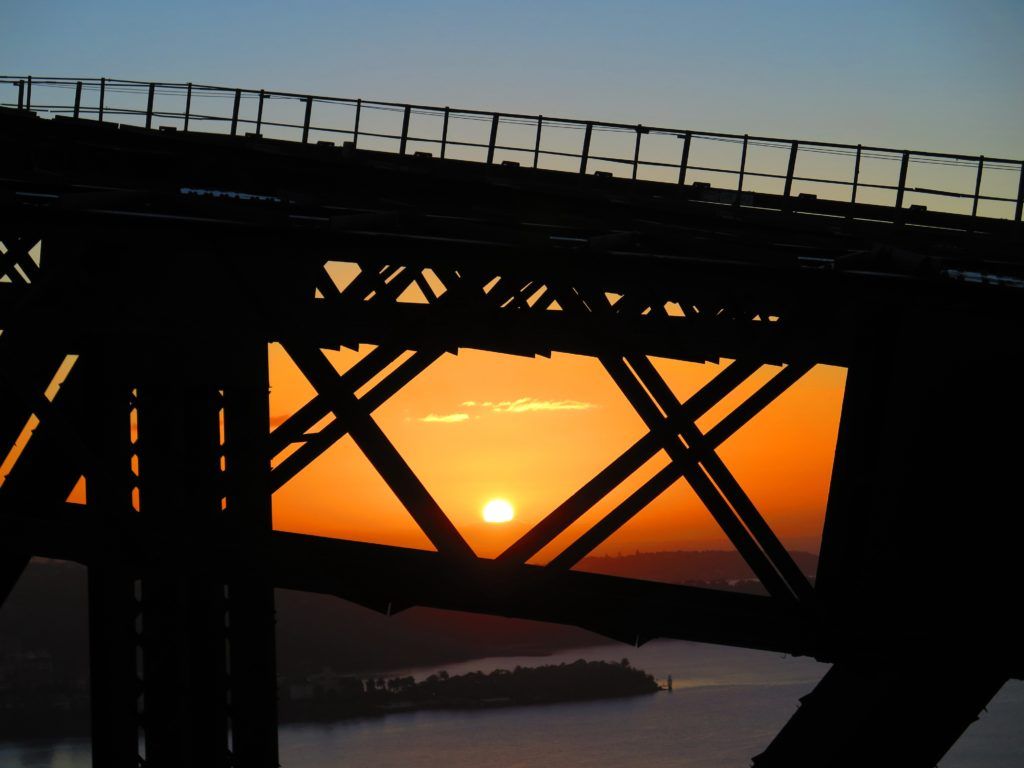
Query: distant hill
(47,613)
(716,568)
(317,631)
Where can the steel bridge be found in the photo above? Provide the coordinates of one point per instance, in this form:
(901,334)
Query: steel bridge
(157,237)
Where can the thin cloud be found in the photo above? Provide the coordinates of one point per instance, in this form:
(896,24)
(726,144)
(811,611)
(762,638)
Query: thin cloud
(445,418)
(520,405)
(529,405)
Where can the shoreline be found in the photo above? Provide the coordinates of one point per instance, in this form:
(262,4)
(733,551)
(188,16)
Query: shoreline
(334,698)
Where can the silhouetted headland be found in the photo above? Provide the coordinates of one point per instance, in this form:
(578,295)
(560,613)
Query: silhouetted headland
(328,696)
(44,674)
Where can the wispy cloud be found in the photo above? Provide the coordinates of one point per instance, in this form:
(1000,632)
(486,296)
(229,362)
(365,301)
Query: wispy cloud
(444,418)
(520,405)
(529,405)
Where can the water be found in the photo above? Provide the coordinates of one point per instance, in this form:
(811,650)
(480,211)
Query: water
(727,705)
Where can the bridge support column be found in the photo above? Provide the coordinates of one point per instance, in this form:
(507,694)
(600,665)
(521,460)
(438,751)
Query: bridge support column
(209,651)
(183,610)
(918,527)
(920,549)
(251,638)
(113,608)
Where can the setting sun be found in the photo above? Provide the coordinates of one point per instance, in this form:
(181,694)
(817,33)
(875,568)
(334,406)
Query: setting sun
(498,511)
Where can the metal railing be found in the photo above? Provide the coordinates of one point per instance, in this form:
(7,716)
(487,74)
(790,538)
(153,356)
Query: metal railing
(896,178)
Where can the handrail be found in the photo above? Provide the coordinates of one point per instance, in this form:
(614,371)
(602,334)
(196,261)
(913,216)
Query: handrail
(143,96)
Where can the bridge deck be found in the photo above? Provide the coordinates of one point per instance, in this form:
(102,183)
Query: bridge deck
(742,264)
(166,260)
(798,171)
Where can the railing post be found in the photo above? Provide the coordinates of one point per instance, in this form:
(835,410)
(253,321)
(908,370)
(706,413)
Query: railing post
(536,146)
(904,166)
(856,175)
(103,96)
(493,140)
(149,106)
(586,148)
(444,132)
(636,150)
(684,161)
(405,130)
(188,104)
(234,111)
(743,169)
(1020,195)
(28,94)
(305,123)
(21,94)
(355,128)
(977,186)
(791,169)
(259,112)
(78,98)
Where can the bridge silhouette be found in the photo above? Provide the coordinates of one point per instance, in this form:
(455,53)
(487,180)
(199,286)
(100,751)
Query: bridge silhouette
(152,260)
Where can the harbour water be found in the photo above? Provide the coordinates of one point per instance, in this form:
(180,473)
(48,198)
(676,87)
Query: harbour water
(726,706)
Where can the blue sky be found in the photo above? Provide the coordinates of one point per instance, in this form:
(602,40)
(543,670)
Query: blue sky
(938,75)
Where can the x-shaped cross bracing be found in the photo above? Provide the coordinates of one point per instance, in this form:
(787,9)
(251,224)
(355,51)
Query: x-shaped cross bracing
(671,428)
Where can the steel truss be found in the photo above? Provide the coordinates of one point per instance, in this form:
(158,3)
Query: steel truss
(156,433)
(156,308)
(671,427)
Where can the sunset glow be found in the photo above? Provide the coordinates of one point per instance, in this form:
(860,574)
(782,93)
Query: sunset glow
(498,511)
(543,427)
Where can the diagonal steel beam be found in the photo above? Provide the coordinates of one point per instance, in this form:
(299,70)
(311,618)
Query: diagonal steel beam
(902,709)
(8,267)
(46,470)
(424,285)
(753,405)
(520,300)
(24,376)
(688,464)
(396,284)
(544,532)
(380,284)
(508,291)
(325,283)
(620,515)
(753,531)
(468,285)
(294,428)
(696,476)
(380,451)
(54,456)
(17,256)
(724,479)
(370,278)
(315,445)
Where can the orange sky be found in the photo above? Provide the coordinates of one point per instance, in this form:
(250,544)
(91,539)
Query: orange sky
(480,425)
(477,426)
